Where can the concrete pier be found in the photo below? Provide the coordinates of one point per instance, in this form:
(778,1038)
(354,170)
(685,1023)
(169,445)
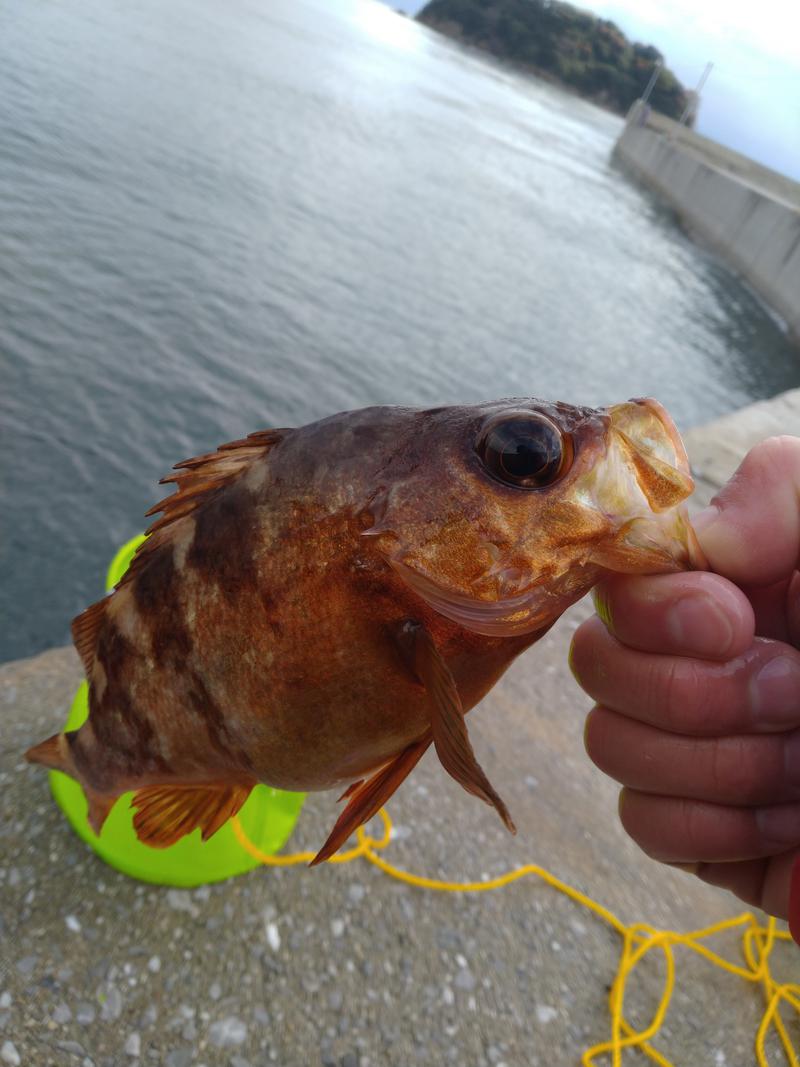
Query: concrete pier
(749,214)
(342,966)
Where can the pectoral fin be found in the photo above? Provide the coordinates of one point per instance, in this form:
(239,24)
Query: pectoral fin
(166,813)
(447,718)
(367,798)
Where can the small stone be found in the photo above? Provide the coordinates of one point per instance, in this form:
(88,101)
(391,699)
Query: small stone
(5,1000)
(356,893)
(448,996)
(239,1061)
(62,1013)
(179,1057)
(85,1013)
(335,1000)
(545,1013)
(73,924)
(181,900)
(465,979)
(215,991)
(350,1059)
(112,1005)
(72,1047)
(154,964)
(227,1032)
(9,1054)
(337,927)
(27,965)
(273,936)
(133,1046)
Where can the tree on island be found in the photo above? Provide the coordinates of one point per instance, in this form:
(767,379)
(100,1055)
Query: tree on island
(562,42)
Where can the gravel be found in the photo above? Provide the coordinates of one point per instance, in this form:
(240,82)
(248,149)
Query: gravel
(9,1054)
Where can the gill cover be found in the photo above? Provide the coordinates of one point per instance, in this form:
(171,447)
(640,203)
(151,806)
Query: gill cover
(538,499)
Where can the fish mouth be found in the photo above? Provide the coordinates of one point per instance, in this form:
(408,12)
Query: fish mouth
(642,488)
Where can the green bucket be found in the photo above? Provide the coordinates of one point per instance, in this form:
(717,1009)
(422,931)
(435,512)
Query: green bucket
(268,816)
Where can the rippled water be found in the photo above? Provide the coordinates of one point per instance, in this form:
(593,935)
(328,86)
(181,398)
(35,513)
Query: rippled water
(219,216)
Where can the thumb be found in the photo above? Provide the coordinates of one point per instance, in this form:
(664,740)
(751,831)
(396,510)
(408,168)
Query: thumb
(751,531)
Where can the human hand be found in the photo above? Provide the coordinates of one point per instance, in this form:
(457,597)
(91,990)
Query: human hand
(697,683)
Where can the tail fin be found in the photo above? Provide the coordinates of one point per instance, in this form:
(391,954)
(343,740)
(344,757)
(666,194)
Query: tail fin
(52,753)
(55,753)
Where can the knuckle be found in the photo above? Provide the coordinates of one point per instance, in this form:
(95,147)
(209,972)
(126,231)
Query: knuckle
(674,690)
(691,816)
(586,655)
(735,775)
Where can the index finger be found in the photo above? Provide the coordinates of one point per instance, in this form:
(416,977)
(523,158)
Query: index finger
(751,531)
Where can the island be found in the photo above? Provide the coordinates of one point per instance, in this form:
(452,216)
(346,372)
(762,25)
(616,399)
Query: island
(564,44)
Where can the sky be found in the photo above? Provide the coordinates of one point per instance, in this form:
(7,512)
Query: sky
(751,101)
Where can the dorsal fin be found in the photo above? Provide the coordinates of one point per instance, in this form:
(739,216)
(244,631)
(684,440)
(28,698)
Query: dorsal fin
(84,633)
(197,480)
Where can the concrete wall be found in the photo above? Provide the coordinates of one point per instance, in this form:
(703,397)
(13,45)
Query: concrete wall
(749,214)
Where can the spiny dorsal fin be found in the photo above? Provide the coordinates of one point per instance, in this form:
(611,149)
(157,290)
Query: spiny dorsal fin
(197,480)
(84,633)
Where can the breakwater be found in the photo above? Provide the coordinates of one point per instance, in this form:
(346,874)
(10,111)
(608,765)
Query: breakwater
(747,213)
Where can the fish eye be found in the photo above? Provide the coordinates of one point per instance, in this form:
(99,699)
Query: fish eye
(525,450)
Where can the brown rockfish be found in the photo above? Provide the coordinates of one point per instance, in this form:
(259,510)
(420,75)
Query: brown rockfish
(316,606)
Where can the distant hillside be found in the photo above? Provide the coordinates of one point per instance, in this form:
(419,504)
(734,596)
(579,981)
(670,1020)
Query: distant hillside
(563,42)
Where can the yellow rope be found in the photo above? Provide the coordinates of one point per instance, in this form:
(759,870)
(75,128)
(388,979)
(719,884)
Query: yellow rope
(638,941)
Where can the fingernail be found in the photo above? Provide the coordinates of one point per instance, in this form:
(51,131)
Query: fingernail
(775,694)
(705,518)
(718,539)
(779,825)
(699,625)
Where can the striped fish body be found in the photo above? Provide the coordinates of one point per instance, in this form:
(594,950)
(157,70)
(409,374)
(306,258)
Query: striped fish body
(316,606)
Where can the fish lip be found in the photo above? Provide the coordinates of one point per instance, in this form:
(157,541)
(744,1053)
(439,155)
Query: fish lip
(671,430)
(657,535)
(664,479)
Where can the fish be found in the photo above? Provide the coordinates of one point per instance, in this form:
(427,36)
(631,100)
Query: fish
(315,607)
